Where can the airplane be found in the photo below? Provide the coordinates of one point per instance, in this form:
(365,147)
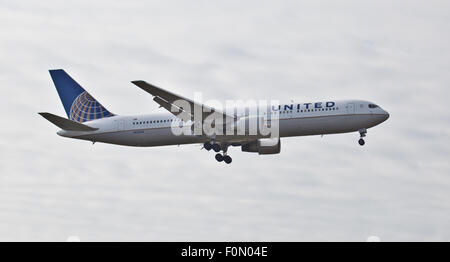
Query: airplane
(89,120)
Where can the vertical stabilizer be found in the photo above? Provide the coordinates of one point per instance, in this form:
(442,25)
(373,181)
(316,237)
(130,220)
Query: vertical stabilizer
(80,106)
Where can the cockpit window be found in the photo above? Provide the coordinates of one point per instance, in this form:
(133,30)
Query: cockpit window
(372,106)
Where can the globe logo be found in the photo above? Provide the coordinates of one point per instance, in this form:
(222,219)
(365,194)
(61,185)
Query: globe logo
(86,108)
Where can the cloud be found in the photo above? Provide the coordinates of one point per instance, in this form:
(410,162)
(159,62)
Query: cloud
(395,54)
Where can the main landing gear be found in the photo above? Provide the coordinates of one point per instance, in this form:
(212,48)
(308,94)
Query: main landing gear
(362,133)
(208,146)
(225,158)
(216,147)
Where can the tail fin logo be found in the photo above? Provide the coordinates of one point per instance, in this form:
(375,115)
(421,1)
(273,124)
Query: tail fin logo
(79,105)
(86,108)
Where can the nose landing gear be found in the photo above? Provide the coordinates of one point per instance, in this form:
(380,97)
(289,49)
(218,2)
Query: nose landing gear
(362,133)
(361,142)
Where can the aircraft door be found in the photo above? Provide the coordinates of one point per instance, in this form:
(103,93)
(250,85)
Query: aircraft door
(120,125)
(350,108)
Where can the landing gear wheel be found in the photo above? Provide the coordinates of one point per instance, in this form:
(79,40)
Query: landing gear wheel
(219,157)
(216,147)
(227,159)
(207,146)
(361,142)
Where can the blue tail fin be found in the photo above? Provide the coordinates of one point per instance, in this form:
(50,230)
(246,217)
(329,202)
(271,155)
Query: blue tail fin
(80,106)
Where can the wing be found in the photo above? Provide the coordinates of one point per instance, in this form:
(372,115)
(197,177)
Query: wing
(174,103)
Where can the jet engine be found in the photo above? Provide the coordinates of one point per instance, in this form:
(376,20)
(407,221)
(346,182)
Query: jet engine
(263,146)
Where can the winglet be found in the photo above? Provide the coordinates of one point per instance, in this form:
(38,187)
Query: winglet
(66,124)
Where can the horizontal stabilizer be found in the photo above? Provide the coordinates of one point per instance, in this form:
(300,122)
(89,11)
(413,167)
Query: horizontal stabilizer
(66,124)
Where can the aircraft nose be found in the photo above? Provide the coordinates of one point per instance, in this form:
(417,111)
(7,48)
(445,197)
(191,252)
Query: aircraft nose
(386,115)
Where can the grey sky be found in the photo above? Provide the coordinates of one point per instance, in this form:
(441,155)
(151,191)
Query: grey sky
(395,53)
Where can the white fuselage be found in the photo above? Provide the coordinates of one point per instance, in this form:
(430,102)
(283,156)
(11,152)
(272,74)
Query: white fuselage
(294,120)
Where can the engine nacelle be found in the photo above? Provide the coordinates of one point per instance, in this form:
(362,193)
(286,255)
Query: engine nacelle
(264,146)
